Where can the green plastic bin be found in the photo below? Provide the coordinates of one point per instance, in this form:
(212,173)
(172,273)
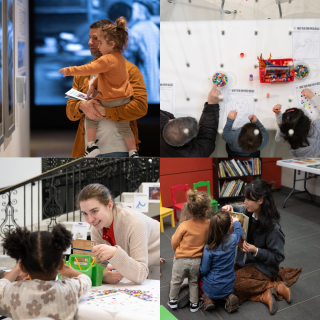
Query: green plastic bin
(95,272)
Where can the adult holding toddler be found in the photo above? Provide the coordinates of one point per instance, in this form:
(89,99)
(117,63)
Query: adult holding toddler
(300,132)
(258,275)
(128,239)
(246,141)
(188,242)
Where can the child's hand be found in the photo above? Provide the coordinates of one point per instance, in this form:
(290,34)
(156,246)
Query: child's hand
(64,71)
(232,114)
(253,118)
(234,219)
(276,108)
(90,93)
(228,207)
(67,271)
(308,93)
(249,247)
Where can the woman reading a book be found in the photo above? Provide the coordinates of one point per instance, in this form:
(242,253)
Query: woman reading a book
(126,238)
(258,276)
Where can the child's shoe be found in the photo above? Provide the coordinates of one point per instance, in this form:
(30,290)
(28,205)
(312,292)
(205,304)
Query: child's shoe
(173,303)
(194,307)
(231,303)
(133,154)
(92,150)
(208,302)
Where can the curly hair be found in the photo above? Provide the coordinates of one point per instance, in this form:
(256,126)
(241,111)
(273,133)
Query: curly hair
(300,123)
(198,204)
(40,252)
(118,33)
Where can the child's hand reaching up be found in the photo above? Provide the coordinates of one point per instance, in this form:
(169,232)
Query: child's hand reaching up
(90,93)
(64,71)
(253,118)
(276,108)
(232,114)
(228,207)
(308,93)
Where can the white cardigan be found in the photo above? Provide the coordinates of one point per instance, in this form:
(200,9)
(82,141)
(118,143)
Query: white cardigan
(138,244)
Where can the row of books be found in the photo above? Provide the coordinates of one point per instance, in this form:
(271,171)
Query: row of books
(236,168)
(231,188)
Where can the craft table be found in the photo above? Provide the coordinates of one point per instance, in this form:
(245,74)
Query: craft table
(93,311)
(300,164)
(205,48)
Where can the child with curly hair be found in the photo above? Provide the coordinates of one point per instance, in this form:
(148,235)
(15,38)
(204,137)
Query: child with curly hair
(300,132)
(112,82)
(188,242)
(40,255)
(217,274)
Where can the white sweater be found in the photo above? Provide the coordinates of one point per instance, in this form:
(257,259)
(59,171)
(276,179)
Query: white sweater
(138,244)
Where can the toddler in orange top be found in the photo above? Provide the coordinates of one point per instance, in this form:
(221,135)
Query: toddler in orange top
(112,82)
(188,242)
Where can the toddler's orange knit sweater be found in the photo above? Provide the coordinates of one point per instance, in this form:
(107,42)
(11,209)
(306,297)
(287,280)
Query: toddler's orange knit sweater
(189,239)
(112,81)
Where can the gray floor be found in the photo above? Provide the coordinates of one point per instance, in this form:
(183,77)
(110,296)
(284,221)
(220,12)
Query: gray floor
(300,221)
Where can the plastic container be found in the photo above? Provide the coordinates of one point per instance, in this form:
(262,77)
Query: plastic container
(278,62)
(302,63)
(95,272)
(223,76)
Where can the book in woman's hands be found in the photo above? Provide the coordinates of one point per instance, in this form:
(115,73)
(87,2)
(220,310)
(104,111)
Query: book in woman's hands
(244,221)
(75,94)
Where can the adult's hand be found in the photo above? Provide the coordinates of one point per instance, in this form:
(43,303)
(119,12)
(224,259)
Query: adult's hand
(249,247)
(111,277)
(213,96)
(89,108)
(228,207)
(232,114)
(103,251)
(253,118)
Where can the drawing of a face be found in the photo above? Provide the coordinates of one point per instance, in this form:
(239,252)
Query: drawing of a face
(242,107)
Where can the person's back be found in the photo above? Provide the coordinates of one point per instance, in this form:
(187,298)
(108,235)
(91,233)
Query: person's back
(40,255)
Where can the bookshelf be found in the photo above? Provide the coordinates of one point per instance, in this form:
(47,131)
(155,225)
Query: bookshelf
(234,181)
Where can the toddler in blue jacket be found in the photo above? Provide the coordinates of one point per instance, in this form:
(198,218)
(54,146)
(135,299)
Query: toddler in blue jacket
(217,267)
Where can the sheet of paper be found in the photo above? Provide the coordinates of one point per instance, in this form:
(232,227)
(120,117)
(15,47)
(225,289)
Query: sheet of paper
(242,100)
(167,96)
(141,202)
(306,42)
(80,230)
(75,94)
(303,102)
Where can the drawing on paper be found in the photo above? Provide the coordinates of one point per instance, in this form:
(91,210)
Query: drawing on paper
(305,45)
(167,97)
(244,105)
(139,205)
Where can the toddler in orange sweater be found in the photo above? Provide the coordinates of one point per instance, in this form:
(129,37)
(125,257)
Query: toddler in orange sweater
(112,82)
(188,242)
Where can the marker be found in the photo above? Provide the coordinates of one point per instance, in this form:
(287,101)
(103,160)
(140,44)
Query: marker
(275,110)
(29,276)
(78,263)
(268,95)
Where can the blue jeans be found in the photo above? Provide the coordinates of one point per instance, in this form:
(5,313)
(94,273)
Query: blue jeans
(114,155)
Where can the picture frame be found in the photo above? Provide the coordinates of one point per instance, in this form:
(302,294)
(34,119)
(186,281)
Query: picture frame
(153,191)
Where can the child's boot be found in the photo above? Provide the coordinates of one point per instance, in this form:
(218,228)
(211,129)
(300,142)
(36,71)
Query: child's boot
(232,303)
(92,150)
(208,302)
(194,307)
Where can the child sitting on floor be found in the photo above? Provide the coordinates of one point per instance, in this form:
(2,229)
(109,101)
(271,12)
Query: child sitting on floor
(300,133)
(40,254)
(188,242)
(112,82)
(217,267)
(246,141)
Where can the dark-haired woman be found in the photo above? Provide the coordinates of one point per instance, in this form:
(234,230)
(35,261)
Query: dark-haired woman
(300,132)
(40,255)
(128,239)
(258,274)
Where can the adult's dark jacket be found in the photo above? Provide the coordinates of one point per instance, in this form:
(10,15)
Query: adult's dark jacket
(200,146)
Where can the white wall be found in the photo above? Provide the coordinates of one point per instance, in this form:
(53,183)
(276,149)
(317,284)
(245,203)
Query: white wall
(18,144)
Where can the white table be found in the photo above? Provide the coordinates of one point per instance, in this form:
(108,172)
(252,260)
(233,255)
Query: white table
(301,165)
(206,47)
(86,311)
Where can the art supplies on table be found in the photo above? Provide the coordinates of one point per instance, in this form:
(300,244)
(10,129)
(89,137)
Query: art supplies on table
(220,79)
(305,42)
(241,100)
(167,96)
(301,70)
(305,103)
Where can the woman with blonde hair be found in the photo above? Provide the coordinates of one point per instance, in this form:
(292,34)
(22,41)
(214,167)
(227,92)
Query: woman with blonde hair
(128,239)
